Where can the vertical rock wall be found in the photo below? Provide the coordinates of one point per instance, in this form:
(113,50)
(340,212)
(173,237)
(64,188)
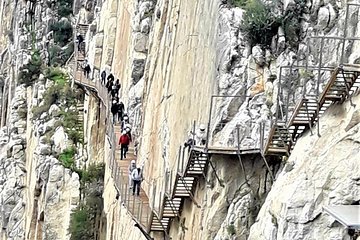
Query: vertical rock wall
(321,171)
(179,82)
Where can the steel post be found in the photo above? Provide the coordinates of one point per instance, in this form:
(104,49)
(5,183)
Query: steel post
(208,127)
(318,84)
(342,59)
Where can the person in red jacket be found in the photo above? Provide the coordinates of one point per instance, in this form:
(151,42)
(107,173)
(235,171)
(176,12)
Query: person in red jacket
(124,141)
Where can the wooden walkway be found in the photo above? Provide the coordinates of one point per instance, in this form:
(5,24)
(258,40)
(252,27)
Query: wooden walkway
(137,206)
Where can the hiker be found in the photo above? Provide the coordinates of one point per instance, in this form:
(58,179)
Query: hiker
(128,130)
(117,87)
(86,68)
(79,40)
(125,122)
(189,143)
(124,142)
(109,85)
(103,77)
(121,109)
(137,179)
(114,90)
(111,77)
(114,110)
(200,135)
(131,168)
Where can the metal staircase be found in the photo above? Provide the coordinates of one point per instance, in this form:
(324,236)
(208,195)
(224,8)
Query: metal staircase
(183,188)
(279,140)
(343,82)
(340,85)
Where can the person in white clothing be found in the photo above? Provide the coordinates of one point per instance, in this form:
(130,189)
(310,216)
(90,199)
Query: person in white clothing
(131,168)
(137,179)
(200,135)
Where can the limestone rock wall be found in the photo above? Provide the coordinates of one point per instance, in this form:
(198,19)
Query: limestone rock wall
(37,194)
(321,171)
(179,82)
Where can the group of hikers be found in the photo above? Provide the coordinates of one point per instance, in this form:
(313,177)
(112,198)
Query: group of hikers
(120,116)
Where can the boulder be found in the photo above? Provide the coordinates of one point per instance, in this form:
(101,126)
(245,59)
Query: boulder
(259,55)
(141,42)
(60,140)
(138,70)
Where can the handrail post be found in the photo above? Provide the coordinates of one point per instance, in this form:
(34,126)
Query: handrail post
(193,134)
(160,197)
(153,197)
(126,190)
(278,97)
(208,127)
(345,35)
(133,204)
(318,84)
(178,162)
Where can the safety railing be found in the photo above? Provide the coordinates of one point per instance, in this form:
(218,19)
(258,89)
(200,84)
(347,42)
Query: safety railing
(137,208)
(298,107)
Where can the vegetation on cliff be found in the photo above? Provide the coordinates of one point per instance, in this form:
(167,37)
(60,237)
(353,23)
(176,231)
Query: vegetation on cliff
(261,21)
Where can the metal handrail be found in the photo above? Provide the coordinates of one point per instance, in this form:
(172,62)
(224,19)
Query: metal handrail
(142,213)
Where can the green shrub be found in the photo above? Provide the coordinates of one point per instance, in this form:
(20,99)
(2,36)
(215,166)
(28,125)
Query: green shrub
(291,22)
(67,158)
(239,3)
(38,110)
(58,56)
(75,135)
(22,113)
(65,8)
(72,126)
(81,227)
(93,172)
(53,95)
(231,229)
(31,71)
(63,32)
(58,76)
(259,23)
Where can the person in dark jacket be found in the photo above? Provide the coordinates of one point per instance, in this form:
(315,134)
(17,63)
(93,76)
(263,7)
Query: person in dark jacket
(87,70)
(124,142)
(114,90)
(111,77)
(109,85)
(79,40)
(103,77)
(114,110)
(117,87)
(121,109)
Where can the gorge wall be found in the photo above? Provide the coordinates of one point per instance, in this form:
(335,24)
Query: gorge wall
(171,56)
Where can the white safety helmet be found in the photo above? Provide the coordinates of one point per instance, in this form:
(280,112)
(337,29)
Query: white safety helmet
(126,118)
(202,127)
(133,162)
(124,132)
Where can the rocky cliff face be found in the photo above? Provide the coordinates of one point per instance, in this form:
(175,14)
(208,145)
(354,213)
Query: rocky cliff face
(37,191)
(171,57)
(321,171)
